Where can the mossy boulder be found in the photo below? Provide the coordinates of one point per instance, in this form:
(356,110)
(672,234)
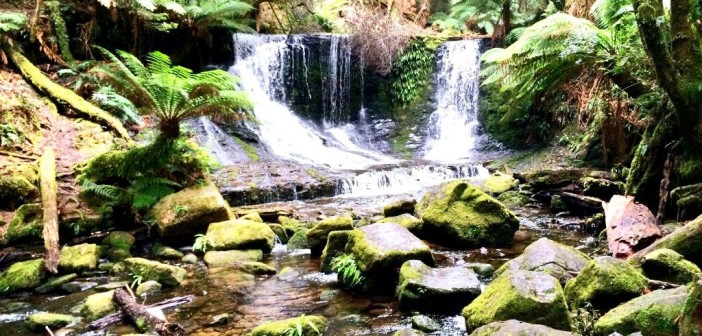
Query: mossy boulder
(55,282)
(426,289)
(117,255)
(531,297)
(240,234)
(298,241)
(310,325)
(39,321)
(280,232)
(165,252)
(98,305)
(119,240)
(25,226)
(513,198)
(605,283)
(460,214)
(498,183)
(79,258)
(653,314)
(147,288)
(181,215)
(600,187)
(545,255)
(317,235)
(336,244)
(154,270)
(404,206)
(517,328)
(670,266)
(381,249)
(253,216)
(410,222)
(22,275)
(222,258)
(17,185)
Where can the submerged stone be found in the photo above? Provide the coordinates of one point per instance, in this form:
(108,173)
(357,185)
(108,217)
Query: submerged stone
(460,214)
(310,325)
(408,332)
(531,297)
(545,255)
(147,288)
(79,258)
(427,289)
(517,328)
(165,252)
(425,323)
(222,258)
(39,321)
(55,282)
(22,275)
(153,270)
(240,234)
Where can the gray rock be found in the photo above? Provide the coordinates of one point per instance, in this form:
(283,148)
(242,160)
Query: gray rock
(147,288)
(423,288)
(514,328)
(425,323)
(545,255)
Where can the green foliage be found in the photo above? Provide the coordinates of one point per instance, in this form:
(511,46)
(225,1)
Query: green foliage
(488,15)
(583,320)
(201,243)
(109,100)
(412,70)
(199,16)
(78,77)
(9,136)
(349,273)
(180,210)
(60,30)
(141,194)
(298,329)
(12,22)
(136,280)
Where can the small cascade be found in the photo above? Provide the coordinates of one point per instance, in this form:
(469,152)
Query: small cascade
(453,130)
(337,81)
(217,142)
(279,247)
(405,179)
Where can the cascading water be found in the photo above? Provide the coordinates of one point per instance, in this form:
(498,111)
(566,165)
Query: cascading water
(454,126)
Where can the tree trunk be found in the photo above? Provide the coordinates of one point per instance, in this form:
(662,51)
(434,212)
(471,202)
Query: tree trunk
(686,240)
(141,318)
(630,226)
(49,204)
(170,129)
(691,319)
(507,17)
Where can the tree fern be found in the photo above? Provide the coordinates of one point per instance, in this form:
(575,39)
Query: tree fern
(108,99)
(12,22)
(146,191)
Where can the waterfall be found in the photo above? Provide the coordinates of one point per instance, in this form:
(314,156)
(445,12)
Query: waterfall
(262,63)
(453,128)
(217,142)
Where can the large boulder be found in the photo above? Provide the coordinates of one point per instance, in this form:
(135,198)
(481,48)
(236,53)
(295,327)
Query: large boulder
(25,226)
(460,214)
(525,295)
(403,206)
(181,215)
(668,265)
(241,234)
(517,328)
(427,289)
(78,258)
(154,270)
(22,276)
(222,258)
(654,314)
(380,249)
(317,235)
(605,283)
(310,325)
(119,240)
(17,184)
(410,222)
(336,243)
(545,255)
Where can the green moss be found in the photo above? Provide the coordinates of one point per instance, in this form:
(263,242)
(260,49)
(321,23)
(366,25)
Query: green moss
(408,221)
(98,305)
(22,276)
(513,198)
(298,241)
(280,232)
(165,252)
(39,321)
(79,258)
(153,270)
(336,243)
(119,240)
(498,183)
(17,184)
(221,258)
(240,234)
(310,325)
(670,266)
(317,235)
(253,216)
(25,226)
(55,282)
(248,149)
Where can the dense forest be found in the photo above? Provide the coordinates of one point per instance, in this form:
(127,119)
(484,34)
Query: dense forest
(351,167)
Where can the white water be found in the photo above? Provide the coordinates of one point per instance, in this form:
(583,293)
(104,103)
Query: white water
(260,64)
(453,126)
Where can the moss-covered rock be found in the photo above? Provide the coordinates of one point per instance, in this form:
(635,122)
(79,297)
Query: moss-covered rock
(410,222)
(654,314)
(22,276)
(119,240)
(79,258)
(408,332)
(545,255)
(240,234)
(280,232)
(498,183)
(605,283)
(153,270)
(425,323)
(336,243)
(55,282)
(255,267)
(253,216)
(25,226)
(459,214)
(531,297)
(117,255)
(39,321)
(17,185)
(670,266)
(165,252)
(98,305)
(222,258)
(317,235)
(181,215)
(517,328)
(426,289)
(298,241)
(189,259)
(513,198)
(600,187)
(404,206)
(147,288)
(310,325)
(380,249)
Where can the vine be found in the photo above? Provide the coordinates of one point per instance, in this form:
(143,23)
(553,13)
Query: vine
(412,69)
(60,29)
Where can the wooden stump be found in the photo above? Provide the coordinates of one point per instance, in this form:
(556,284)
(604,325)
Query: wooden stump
(630,226)
(49,204)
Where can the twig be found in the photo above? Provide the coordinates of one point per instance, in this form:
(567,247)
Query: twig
(49,331)
(17,155)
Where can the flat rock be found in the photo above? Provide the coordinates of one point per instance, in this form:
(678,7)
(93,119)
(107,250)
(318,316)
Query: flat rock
(423,288)
(545,255)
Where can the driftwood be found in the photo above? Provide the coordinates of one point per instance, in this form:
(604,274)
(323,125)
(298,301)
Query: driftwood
(143,319)
(49,204)
(119,316)
(664,189)
(630,226)
(686,240)
(583,204)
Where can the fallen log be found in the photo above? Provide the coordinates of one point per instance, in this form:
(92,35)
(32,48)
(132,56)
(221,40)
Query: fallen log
(686,240)
(119,316)
(49,205)
(691,319)
(582,204)
(142,319)
(630,226)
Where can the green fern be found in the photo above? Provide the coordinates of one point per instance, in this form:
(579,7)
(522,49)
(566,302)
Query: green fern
(146,191)
(201,243)
(346,267)
(12,22)
(108,99)
(299,328)
(104,191)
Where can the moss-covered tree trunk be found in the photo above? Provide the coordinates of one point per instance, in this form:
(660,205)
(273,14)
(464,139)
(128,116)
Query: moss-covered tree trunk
(49,203)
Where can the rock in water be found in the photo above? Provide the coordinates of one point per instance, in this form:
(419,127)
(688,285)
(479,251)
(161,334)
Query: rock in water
(670,266)
(39,321)
(181,215)
(405,206)
(241,234)
(22,276)
(147,288)
(55,282)
(119,240)
(427,289)
(79,258)
(317,235)
(154,270)
(98,305)
(655,313)
(310,325)
(223,258)
(410,222)
(165,252)
(531,297)
(336,243)
(605,283)
(298,241)
(498,183)
(459,214)
(425,323)
(545,255)
(514,328)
